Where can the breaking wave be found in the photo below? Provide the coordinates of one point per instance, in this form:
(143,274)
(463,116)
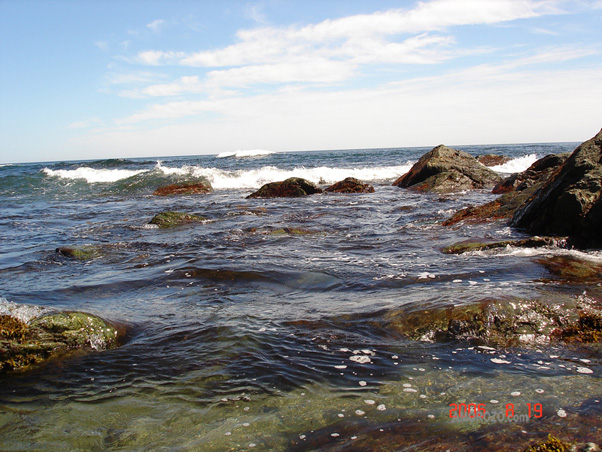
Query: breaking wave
(244,154)
(93,175)
(516,165)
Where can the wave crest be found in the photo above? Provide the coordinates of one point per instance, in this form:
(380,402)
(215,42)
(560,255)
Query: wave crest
(516,165)
(244,154)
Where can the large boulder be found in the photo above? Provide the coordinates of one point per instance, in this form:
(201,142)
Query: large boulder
(493,159)
(446,170)
(515,190)
(30,335)
(293,187)
(570,202)
(184,188)
(350,185)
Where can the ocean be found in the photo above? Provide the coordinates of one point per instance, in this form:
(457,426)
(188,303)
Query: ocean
(264,327)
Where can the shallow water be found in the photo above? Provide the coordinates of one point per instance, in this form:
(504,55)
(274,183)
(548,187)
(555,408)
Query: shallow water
(264,327)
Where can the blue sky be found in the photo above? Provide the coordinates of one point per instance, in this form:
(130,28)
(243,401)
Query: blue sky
(101,79)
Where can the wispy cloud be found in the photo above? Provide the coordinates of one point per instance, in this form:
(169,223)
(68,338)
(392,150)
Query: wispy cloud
(156,25)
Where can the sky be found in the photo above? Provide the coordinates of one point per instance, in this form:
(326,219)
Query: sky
(120,78)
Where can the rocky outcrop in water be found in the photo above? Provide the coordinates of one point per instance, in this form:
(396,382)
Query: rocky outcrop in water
(170,219)
(503,323)
(184,188)
(293,187)
(446,170)
(492,159)
(515,190)
(350,185)
(28,341)
(472,245)
(570,202)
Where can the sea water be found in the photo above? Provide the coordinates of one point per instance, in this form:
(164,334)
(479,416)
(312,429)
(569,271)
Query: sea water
(264,327)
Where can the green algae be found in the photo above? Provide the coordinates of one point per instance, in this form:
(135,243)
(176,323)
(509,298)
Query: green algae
(170,219)
(83,253)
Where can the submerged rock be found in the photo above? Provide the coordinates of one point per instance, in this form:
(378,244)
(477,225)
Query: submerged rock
(570,202)
(172,219)
(293,187)
(184,188)
(26,342)
(572,270)
(350,185)
(84,252)
(515,190)
(445,170)
(473,245)
(502,323)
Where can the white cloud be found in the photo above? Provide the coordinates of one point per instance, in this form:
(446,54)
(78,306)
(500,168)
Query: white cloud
(156,25)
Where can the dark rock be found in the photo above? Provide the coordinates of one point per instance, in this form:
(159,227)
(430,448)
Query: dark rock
(472,245)
(24,344)
(493,159)
(446,170)
(572,270)
(293,187)
(350,185)
(171,219)
(516,190)
(185,188)
(537,174)
(570,202)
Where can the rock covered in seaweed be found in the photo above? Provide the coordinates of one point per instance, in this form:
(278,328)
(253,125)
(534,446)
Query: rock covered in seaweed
(170,219)
(30,336)
(570,202)
(184,188)
(293,187)
(350,185)
(475,245)
(446,170)
(493,159)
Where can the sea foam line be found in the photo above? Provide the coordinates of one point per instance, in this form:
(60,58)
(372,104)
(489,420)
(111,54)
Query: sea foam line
(93,175)
(254,178)
(244,154)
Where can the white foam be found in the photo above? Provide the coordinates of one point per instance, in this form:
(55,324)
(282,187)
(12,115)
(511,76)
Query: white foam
(244,154)
(23,312)
(254,178)
(93,175)
(516,165)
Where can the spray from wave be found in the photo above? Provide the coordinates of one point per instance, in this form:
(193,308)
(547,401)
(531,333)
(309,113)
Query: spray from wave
(516,165)
(93,175)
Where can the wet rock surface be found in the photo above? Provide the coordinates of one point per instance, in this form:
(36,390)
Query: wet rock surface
(493,159)
(446,170)
(515,190)
(25,343)
(184,188)
(293,187)
(350,185)
(171,219)
(475,245)
(570,202)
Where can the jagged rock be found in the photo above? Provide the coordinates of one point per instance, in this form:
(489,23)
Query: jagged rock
(570,202)
(26,342)
(350,185)
(516,189)
(493,159)
(445,170)
(292,187)
(184,188)
(171,219)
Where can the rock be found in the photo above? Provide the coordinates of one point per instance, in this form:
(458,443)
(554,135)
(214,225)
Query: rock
(537,174)
(292,187)
(502,323)
(572,270)
(515,189)
(472,245)
(492,159)
(446,170)
(171,219)
(28,342)
(570,202)
(185,188)
(350,185)
(84,252)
